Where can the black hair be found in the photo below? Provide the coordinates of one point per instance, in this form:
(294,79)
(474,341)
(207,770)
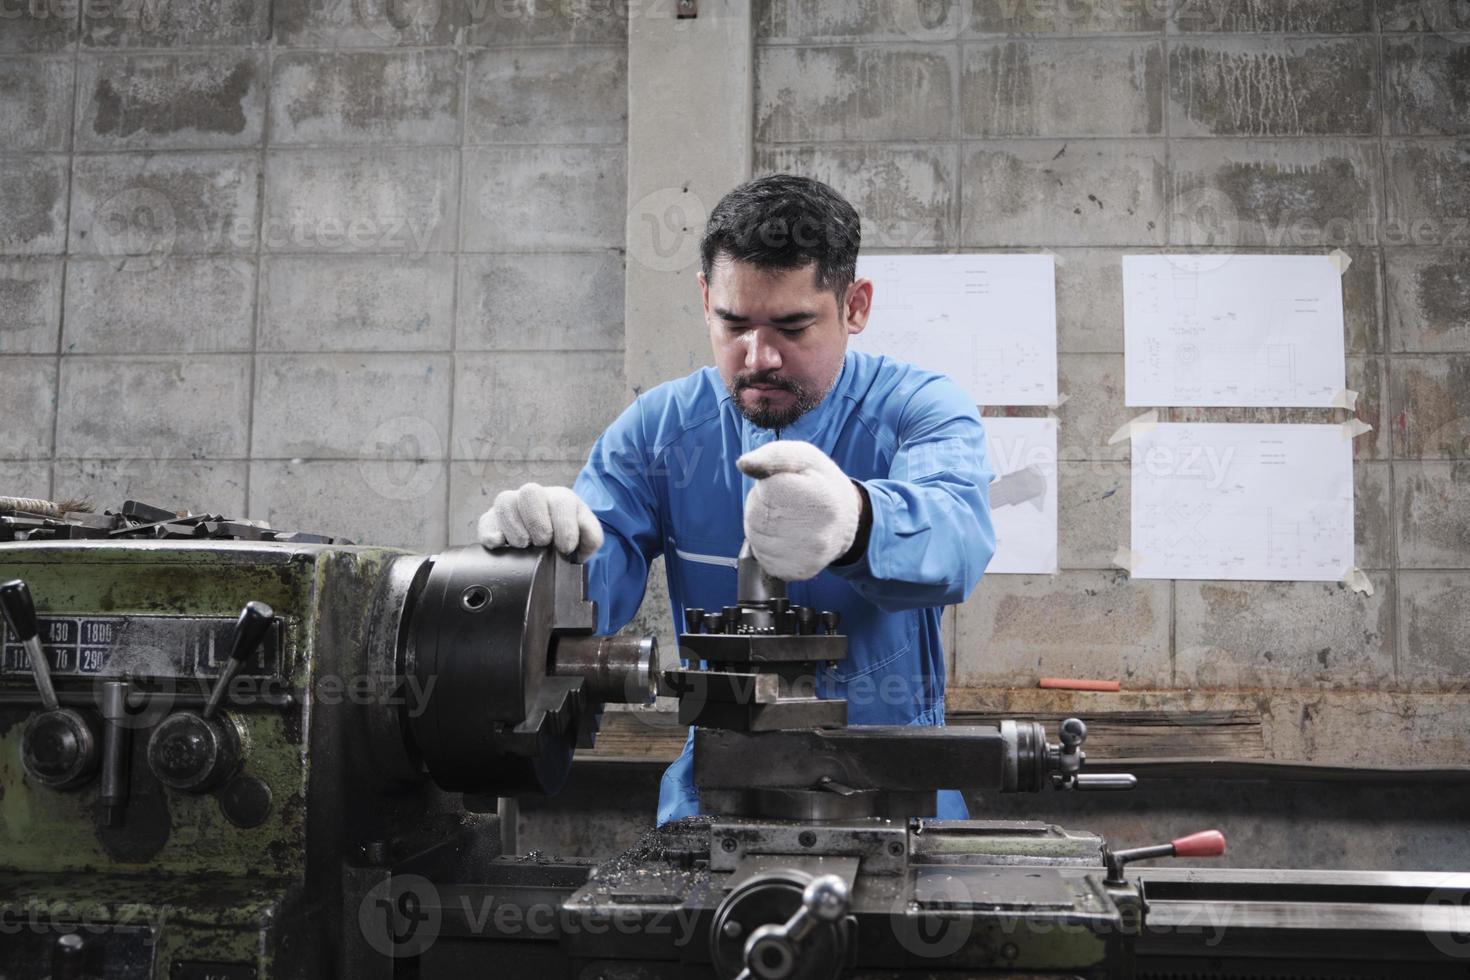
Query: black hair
(785,222)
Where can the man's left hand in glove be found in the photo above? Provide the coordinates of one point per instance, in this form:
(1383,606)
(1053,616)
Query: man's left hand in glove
(803,513)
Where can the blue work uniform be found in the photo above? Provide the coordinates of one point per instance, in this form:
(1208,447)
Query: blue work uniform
(662,480)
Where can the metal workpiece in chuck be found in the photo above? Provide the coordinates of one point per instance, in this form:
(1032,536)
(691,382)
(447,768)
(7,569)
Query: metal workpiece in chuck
(614,669)
(499,644)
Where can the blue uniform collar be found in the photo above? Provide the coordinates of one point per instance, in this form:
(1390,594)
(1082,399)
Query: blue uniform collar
(811,426)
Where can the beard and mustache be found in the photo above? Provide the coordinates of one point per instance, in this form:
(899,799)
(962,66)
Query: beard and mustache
(765,414)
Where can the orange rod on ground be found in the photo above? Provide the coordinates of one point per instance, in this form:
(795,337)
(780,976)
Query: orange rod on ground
(1076,684)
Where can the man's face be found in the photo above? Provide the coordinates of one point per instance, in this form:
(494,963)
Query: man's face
(778,337)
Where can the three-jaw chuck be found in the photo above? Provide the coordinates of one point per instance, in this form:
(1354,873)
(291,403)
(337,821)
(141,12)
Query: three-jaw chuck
(502,645)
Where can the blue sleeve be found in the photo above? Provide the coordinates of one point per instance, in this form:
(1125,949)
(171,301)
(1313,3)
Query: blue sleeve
(931,536)
(616,485)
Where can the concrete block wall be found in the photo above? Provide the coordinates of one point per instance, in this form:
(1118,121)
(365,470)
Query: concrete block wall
(352,268)
(347,267)
(1099,128)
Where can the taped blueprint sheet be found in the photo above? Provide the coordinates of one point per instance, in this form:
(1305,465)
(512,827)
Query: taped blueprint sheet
(1023,497)
(987,321)
(1242,501)
(1233,330)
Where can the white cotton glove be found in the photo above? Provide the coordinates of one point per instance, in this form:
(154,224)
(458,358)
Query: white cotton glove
(536,516)
(802,514)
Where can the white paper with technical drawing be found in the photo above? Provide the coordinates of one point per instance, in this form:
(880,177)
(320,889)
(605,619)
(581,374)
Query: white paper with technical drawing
(1242,501)
(987,321)
(1023,495)
(1252,330)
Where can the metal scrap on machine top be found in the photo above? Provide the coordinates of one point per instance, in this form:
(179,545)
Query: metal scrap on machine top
(27,519)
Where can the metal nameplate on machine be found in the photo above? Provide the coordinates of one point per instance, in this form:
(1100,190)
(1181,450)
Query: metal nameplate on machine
(175,647)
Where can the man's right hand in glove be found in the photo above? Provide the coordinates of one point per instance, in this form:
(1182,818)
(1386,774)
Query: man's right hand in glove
(535,516)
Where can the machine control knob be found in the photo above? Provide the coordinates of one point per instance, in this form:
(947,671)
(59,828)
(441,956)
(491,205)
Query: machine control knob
(54,747)
(59,749)
(193,754)
(774,951)
(59,746)
(826,898)
(1065,761)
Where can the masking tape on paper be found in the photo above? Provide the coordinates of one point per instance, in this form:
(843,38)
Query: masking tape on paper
(1125,558)
(1357,580)
(1135,427)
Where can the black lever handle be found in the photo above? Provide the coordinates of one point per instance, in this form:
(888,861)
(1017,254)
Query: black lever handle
(117,740)
(255,619)
(19,608)
(20,612)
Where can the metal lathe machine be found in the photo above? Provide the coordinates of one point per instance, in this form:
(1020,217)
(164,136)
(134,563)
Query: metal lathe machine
(231,753)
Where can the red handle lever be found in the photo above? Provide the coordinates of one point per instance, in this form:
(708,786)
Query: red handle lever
(1205,844)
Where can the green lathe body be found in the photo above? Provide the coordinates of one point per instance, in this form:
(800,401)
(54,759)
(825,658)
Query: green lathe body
(249,877)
